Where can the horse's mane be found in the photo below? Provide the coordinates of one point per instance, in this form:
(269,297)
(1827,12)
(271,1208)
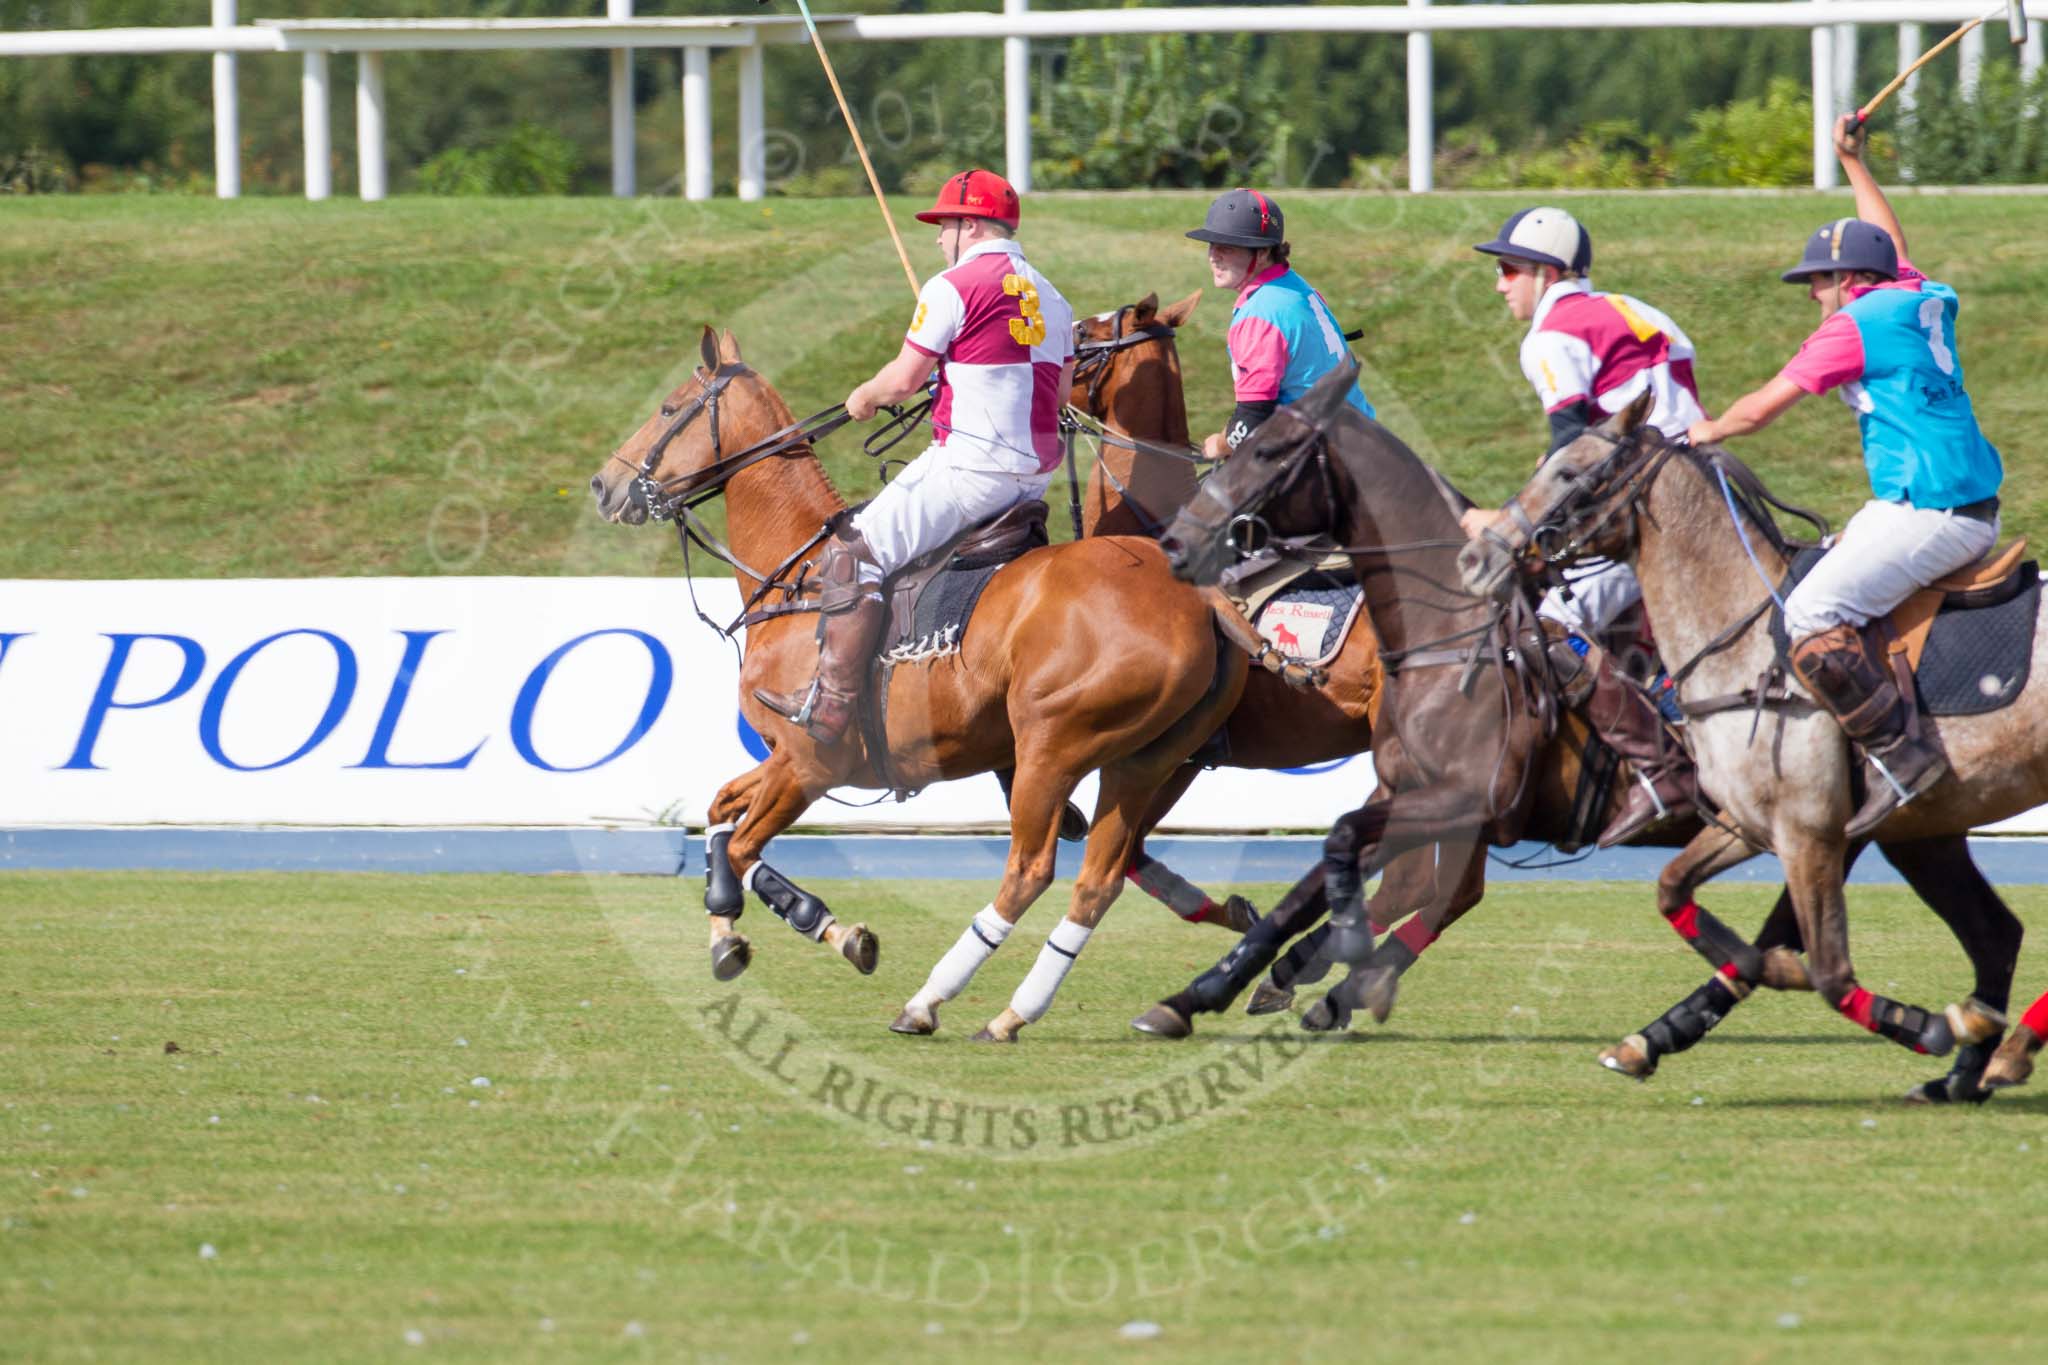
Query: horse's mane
(1747,488)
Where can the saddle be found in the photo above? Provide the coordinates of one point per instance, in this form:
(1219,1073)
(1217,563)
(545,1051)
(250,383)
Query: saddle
(932,597)
(1967,640)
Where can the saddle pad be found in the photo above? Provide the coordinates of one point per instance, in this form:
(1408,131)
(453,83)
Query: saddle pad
(943,609)
(1309,619)
(1977,659)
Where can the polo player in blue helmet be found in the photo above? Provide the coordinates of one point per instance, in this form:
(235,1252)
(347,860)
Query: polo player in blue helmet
(1887,343)
(1283,336)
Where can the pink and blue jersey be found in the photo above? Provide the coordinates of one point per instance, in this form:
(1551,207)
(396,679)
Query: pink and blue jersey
(1891,350)
(1283,338)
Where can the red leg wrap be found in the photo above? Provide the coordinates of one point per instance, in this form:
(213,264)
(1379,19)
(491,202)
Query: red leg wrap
(2036,1017)
(1856,1005)
(1415,935)
(1686,920)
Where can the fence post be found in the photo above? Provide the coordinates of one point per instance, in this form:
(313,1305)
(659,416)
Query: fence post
(1017,104)
(753,179)
(1824,107)
(1909,53)
(625,174)
(696,123)
(227,117)
(2030,55)
(370,125)
(1421,110)
(1972,50)
(1845,66)
(315,134)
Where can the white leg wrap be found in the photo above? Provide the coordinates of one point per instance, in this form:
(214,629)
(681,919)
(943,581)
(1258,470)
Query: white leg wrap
(985,933)
(1055,959)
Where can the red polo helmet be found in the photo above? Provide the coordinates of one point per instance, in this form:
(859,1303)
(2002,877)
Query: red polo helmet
(974,194)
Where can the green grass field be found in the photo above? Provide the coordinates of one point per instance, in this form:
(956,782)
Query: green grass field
(268,387)
(635,1182)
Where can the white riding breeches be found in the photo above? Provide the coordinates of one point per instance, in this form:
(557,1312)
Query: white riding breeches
(1887,552)
(1602,589)
(932,501)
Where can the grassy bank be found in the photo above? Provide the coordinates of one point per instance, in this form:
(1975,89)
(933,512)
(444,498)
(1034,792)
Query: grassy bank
(269,387)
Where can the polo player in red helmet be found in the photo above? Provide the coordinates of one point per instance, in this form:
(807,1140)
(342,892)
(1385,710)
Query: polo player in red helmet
(1002,340)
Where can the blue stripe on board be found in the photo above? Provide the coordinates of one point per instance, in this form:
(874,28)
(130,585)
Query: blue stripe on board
(1217,861)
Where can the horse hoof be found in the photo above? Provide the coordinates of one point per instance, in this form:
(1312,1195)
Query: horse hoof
(1073,824)
(2013,1062)
(1239,915)
(915,1022)
(1630,1057)
(991,1036)
(862,949)
(1161,1021)
(1268,998)
(729,957)
(1378,990)
(1785,970)
(1326,1016)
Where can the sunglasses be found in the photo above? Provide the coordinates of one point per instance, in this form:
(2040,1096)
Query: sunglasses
(1509,268)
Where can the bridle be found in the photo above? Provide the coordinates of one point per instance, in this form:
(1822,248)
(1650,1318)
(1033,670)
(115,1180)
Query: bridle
(1092,356)
(676,499)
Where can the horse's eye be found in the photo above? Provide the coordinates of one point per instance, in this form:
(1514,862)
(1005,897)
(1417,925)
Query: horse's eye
(669,409)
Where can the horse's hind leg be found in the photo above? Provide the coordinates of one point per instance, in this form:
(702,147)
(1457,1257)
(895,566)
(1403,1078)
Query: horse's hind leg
(1946,877)
(1214,989)
(1037,796)
(1168,887)
(1412,881)
(2014,1061)
(1126,793)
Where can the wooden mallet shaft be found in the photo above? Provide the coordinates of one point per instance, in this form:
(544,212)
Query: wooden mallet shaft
(2016,28)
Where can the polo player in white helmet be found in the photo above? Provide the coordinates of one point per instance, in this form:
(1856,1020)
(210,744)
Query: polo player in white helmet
(1589,355)
(1002,340)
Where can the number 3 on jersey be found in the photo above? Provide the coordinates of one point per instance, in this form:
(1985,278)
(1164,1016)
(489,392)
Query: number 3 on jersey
(1029,328)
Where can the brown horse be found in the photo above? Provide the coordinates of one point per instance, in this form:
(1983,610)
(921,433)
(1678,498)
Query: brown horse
(1085,657)
(1128,377)
(1466,751)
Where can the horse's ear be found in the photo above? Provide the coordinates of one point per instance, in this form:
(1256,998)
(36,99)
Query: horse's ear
(1638,412)
(708,348)
(728,347)
(1144,309)
(1177,314)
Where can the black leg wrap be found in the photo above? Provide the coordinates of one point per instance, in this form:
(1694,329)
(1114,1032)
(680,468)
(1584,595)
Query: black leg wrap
(1393,954)
(803,912)
(722,893)
(1720,945)
(1961,1086)
(1213,991)
(1692,1018)
(1292,969)
(1910,1026)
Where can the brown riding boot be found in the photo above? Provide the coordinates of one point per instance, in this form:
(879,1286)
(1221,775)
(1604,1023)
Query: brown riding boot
(1876,707)
(1665,786)
(850,621)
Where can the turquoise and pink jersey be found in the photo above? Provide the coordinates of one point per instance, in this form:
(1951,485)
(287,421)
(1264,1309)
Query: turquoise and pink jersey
(1283,338)
(1606,349)
(1001,334)
(1891,350)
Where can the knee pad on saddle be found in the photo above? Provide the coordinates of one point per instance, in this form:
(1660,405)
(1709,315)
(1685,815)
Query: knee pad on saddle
(839,584)
(1848,676)
(803,912)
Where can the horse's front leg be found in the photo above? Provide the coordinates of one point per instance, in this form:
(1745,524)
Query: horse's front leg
(775,794)
(1944,875)
(1413,881)
(1214,989)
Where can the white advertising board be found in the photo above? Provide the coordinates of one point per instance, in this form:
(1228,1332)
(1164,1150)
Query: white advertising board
(433,701)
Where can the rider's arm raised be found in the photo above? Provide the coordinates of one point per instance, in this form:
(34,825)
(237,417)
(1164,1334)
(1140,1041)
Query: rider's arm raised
(1871,205)
(1751,412)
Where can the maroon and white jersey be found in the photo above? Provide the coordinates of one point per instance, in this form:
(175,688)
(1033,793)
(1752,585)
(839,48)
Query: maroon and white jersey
(1001,334)
(1606,349)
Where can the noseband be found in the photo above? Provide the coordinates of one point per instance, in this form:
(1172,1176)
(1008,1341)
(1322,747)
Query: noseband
(665,499)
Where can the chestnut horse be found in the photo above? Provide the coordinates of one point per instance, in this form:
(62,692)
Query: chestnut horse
(1083,657)
(1467,739)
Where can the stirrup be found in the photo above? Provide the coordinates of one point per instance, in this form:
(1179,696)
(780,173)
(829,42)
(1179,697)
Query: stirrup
(780,706)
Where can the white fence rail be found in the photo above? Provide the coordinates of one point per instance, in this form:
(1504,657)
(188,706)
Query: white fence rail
(1832,23)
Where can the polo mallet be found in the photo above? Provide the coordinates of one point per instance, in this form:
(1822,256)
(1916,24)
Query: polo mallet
(2015,27)
(861,147)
